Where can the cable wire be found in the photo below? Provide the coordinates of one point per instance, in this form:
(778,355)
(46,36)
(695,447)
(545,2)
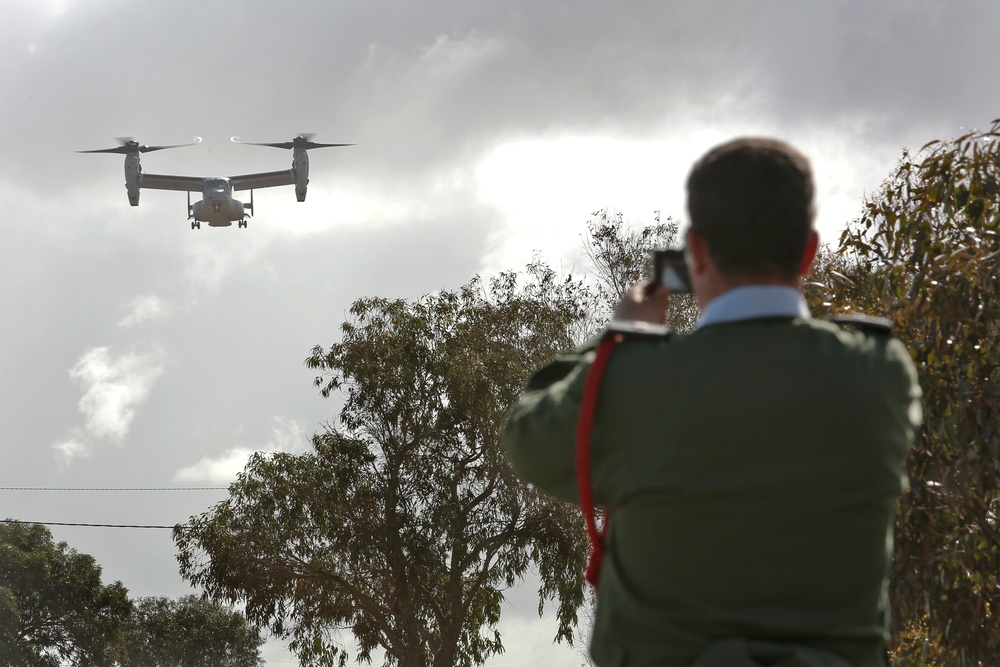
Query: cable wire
(84,525)
(175,488)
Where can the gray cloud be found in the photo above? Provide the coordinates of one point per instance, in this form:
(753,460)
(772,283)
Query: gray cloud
(416,91)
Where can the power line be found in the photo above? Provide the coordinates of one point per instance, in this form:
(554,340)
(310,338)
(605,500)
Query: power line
(174,488)
(84,525)
(102,525)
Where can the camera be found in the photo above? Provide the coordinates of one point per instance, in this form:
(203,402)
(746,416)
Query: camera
(670,270)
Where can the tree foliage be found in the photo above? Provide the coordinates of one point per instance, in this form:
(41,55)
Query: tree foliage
(925,252)
(189,632)
(620,255)
(405,524)
(54,610)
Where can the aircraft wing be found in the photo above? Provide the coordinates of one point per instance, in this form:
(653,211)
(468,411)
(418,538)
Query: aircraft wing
(165,182)
(268,179)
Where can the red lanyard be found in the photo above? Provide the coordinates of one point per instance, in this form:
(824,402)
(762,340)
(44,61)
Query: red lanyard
(588,409)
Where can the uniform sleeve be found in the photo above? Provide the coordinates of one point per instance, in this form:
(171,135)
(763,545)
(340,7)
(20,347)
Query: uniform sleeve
(907,387)
(540,435)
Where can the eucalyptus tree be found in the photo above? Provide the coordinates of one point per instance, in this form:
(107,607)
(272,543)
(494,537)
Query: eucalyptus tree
(54,609)
(189,632)
(405,525)
(925,251)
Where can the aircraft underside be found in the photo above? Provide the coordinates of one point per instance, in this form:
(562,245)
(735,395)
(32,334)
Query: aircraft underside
(218,212)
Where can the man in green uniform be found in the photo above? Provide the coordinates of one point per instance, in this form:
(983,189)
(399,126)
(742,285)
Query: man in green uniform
(751,467)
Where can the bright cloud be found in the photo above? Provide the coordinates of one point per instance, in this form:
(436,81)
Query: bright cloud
(529,641)
(546,187)
(114,386)
(57,8)
(145,308)
(220,469)
(70,449)
(286,436)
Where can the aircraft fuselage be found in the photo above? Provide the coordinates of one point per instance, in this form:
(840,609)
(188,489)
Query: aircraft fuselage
(217,206)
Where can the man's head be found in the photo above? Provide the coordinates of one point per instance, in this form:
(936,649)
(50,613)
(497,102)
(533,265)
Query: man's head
(751,205)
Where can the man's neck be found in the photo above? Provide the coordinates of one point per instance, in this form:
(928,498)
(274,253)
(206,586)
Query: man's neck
(755,301)
(722,283)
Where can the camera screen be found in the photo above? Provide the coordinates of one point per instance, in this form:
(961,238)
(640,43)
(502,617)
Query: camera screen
(670,270)
(673,280)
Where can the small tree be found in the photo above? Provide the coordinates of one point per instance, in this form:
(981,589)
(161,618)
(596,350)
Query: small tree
(405,524)
(54,610)
(925,252)
(190,632)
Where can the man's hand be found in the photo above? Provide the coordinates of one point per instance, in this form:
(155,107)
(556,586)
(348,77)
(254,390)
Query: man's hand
(643,303)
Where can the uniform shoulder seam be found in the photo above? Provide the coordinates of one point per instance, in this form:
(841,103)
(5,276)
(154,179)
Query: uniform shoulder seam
(638,330)
(865,323)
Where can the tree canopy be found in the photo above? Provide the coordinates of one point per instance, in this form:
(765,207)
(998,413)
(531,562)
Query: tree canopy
(405,524)
(189,632)
(54,610)
(925,252)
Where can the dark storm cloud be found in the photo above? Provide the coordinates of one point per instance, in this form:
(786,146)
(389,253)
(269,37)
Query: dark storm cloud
(421,84)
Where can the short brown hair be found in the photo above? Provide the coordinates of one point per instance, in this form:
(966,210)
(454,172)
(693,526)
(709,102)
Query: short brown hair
(751,200)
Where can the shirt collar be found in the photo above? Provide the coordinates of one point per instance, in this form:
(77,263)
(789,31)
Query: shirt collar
(752,302)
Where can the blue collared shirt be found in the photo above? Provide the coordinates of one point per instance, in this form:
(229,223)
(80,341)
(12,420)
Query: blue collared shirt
(754,301)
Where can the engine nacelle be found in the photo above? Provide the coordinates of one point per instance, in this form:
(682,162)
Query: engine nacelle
(300,166)
(133,171)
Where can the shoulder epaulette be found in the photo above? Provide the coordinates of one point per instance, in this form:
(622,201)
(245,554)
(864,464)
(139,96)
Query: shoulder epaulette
(637,329)
(866,323)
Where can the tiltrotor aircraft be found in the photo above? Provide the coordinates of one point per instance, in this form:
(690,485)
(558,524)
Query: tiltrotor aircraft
(217,206)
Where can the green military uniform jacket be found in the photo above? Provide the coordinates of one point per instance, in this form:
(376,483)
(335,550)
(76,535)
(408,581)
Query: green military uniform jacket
(752,471)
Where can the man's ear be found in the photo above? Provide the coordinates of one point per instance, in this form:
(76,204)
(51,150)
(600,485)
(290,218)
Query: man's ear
(812,246)
(697,252)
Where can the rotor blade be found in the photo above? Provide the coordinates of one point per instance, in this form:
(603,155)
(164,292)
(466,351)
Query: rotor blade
(301,141)
(125,145)
(286,144)
(313,144)
(147,149)
(119,149)
(130,145)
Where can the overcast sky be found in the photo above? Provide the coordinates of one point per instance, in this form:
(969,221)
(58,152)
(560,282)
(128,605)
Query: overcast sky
(135,352)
